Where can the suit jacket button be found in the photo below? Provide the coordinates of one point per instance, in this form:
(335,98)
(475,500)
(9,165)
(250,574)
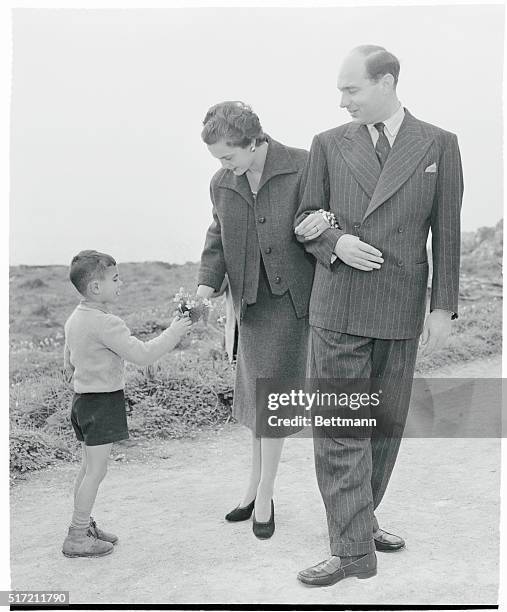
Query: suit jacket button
(400,230)
(261,219)
(400,263)
(267,250)
(277,280)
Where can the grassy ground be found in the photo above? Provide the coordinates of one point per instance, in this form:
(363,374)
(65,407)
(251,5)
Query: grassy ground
(188,389)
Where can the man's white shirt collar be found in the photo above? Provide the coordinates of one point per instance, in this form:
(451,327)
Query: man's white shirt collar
(392,126)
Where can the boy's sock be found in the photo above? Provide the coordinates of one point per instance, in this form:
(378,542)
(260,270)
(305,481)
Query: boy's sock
(80,519)
(85,499)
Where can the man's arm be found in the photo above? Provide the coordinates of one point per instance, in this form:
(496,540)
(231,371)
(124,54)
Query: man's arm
(330,244)
(445,245)
(446,229)
(314,195)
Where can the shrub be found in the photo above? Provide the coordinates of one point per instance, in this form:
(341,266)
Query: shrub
(476,334)
(32,364)
(31,449)
(34,283)
(41,310)
(33,402)
(163,401)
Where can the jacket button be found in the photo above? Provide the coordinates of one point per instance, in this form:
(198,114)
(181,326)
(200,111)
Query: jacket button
(357,225)
(261,219)
(267,250)
(400,230)
(277,279)
(400,263)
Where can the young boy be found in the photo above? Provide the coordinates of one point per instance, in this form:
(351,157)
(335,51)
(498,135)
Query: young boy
(97,344)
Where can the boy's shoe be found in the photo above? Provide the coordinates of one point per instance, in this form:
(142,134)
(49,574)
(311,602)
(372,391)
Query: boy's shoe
(83,543)
(102,535)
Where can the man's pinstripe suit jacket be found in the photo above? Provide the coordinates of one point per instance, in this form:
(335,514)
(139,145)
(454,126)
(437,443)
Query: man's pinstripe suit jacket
(393,211)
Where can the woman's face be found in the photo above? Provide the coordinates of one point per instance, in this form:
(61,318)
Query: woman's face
(236,159)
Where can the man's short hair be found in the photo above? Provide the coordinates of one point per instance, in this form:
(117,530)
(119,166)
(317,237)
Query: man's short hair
(379,62)
(87,266)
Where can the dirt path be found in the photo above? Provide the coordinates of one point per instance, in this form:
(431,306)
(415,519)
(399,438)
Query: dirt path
(166,502)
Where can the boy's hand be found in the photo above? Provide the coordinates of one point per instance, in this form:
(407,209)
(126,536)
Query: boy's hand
(181,325)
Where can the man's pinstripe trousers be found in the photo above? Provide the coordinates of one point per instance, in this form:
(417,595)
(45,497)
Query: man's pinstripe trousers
(353,473)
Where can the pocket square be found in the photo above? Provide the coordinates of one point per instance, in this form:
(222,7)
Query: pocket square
(431,168)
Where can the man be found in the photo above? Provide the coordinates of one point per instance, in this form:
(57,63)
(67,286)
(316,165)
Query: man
(387,178)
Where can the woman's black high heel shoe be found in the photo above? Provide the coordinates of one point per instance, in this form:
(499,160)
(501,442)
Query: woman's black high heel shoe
(240,514)
(263,531)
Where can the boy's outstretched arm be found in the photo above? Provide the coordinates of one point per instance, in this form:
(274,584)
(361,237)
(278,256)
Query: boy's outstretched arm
(117,336)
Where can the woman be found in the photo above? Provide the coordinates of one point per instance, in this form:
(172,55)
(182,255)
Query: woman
(255,197)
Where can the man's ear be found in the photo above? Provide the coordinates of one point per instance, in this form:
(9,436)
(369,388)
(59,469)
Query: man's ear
(388,81)
(94,287)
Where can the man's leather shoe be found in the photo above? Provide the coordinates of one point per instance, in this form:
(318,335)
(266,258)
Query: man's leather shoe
(240,514)
(335,569)
(387,542)
(264,531)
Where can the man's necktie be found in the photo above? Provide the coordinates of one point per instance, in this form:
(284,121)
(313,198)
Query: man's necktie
(382,147)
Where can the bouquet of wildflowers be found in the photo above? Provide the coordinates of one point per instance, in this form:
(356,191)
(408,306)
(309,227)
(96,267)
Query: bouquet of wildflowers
(197,308)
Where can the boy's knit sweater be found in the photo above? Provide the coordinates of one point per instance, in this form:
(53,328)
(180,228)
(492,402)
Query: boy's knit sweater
(98,343)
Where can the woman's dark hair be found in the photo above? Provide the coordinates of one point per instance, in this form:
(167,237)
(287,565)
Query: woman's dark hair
(233,122)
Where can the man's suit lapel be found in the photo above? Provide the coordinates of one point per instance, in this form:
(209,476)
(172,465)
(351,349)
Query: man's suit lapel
(408,149)
(357,150)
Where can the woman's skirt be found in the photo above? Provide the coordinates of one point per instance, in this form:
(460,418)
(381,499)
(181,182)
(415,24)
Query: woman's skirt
(273,343)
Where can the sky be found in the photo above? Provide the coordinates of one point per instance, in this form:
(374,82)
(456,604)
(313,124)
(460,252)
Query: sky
(107,109)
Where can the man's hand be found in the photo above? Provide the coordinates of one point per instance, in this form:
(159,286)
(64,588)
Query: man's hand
(437,328)
(205,292)
(68,373)
(311,227)
(358,254)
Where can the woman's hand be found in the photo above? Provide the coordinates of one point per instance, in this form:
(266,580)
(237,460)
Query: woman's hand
(311,227)
(203,291)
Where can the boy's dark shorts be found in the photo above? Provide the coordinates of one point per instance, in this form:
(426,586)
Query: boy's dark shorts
(99,418)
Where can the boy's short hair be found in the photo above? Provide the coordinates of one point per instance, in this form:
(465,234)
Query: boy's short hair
(87,266)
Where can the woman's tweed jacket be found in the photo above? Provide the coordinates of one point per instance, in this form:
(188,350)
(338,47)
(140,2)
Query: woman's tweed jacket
(243,231)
